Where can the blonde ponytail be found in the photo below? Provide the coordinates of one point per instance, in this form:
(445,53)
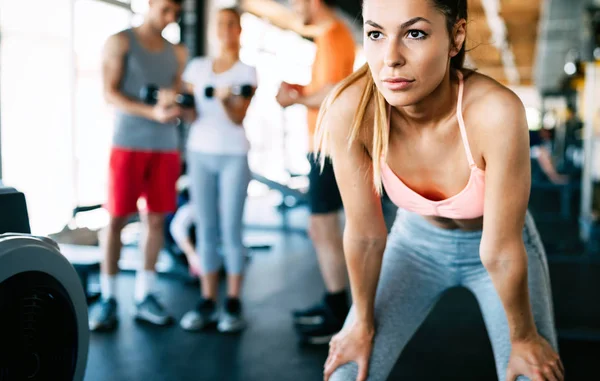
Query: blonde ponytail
(379,149)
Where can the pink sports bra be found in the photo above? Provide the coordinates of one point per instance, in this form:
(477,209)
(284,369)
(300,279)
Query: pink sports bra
(467,204)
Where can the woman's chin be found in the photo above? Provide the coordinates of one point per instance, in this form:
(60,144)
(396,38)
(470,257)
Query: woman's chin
(398,100)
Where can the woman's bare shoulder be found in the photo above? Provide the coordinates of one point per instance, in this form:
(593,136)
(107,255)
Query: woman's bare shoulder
(493,113)
(340,112)
(489,102)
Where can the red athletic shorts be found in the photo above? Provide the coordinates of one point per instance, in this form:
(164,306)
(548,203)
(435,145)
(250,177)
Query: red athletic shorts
(142,174)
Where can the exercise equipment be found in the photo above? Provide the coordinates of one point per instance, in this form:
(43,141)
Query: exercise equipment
(149,95)
(43,311)
(245,91)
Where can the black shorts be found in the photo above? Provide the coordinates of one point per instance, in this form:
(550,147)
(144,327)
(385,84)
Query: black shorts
(323,192)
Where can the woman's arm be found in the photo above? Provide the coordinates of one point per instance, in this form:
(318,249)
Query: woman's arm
(188,114)
(236,106)
(508,180)
(181,85)
(365,233)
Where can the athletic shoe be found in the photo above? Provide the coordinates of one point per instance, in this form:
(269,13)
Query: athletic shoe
(311,316)
(204,315)
(333,306)
(151,311)
(103,317)
(232,319)
(320,334)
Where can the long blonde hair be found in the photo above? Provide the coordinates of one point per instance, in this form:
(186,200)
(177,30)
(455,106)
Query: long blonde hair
(380,141)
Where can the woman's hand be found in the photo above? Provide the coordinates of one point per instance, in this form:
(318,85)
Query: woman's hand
(222,93)
(534,358)
(166,97)
(352,344)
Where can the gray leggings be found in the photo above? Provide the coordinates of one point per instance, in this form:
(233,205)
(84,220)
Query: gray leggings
(218,190)
(421,261)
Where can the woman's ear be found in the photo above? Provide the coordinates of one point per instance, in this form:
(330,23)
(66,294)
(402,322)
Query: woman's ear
(458,37)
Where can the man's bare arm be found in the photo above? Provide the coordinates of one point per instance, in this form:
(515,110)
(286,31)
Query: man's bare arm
(113,62)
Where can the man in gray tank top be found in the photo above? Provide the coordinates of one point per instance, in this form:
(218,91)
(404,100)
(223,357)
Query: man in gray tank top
(144,159)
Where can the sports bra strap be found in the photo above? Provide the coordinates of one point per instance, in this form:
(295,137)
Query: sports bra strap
(461,121)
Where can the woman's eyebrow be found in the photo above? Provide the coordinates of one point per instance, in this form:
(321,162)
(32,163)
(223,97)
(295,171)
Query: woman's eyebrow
(404,25)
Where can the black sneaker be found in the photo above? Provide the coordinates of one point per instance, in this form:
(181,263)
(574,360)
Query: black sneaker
(320,334)
(332,306)
(204,315)
(310,316)
(232,319)
(151,311)
(103,317)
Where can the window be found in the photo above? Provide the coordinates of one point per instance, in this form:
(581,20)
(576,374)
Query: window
(37,107)
(95,21)
(278,137)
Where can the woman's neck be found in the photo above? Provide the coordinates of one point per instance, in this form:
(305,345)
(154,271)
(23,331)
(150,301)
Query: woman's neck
(431,110)
(228,56)
(225,61)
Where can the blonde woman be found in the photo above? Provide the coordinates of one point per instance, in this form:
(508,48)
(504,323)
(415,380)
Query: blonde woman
(450,146)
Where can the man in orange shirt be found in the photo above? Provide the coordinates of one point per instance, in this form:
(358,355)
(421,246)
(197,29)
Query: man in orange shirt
(334,61)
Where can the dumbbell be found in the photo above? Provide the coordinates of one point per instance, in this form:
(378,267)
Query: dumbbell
(238,90)
(149,95)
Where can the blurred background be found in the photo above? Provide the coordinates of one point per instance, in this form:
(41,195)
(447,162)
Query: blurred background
(55,134)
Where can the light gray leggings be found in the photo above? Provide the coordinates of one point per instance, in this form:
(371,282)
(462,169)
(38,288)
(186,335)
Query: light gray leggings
(421,261)
(218,190)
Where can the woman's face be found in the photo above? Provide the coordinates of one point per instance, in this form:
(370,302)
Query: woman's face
(407,47)
(228,28)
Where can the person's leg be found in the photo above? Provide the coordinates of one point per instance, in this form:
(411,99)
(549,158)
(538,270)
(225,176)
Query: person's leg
(205,199)
(202,169)
(180,226)
(410,284)
(479,282)
(323,320)
(326,234)
(162,172)
(125,182)
(233,190)
(151,242)
(325,228)
(112,253)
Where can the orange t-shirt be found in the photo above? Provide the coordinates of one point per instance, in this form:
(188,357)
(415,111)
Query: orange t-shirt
(334,61)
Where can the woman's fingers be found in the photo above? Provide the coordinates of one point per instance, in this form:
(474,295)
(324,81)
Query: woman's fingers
(363,370)
(333,362)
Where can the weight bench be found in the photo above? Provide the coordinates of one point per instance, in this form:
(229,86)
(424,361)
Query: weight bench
(296,196)
(86,261)
(84,258)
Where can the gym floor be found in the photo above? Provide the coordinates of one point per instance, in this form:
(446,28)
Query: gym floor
(452,344)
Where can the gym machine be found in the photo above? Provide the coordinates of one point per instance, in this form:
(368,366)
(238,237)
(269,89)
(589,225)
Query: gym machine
(43,309)
(583,325)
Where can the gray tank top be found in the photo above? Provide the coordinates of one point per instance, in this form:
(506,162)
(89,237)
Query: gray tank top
(143,67)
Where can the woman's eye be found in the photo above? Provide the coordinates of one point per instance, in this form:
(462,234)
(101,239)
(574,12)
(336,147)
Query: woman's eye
(416,34)
(374,35)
